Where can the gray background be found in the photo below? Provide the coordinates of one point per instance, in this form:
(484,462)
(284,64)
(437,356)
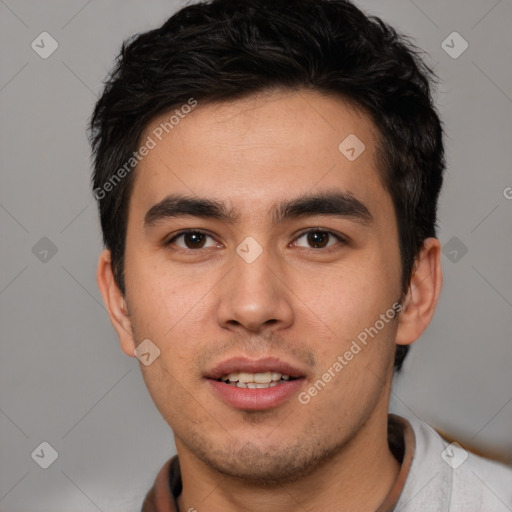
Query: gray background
(63,377)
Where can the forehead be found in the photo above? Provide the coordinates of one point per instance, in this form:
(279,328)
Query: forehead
(258,150)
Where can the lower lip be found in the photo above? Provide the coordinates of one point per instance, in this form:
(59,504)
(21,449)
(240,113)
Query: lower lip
(256,399)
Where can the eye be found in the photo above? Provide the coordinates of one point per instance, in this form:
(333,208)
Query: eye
(314,239)
(191,239)
(319,239)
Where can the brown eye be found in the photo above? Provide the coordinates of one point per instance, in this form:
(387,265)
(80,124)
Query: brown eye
(317,239)
(194,240)
(191,240)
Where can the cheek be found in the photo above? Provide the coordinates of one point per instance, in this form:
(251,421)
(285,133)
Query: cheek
(351,296)
(166,305)
(350,300)
(353,367)
(172,395)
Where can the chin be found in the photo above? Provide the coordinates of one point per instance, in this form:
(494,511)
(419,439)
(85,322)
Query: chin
(270,465)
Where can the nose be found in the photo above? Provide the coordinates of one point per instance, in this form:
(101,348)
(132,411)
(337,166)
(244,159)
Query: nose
(254,296)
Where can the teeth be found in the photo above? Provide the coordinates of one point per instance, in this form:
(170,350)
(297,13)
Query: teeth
(245,377)
(254,380)
(263,378)
(254,385)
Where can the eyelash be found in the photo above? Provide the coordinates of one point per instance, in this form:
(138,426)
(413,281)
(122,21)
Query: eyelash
(328,249)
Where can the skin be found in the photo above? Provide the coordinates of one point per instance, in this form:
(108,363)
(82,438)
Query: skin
(296,302)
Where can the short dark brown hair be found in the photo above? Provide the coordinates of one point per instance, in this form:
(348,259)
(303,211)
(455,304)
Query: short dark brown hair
(227,49)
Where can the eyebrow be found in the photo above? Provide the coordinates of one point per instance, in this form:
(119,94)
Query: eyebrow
(336,204)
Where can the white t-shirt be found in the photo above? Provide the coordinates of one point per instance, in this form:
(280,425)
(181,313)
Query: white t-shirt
(435,476)
(446,478)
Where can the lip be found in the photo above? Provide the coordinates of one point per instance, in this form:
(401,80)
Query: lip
(255,399)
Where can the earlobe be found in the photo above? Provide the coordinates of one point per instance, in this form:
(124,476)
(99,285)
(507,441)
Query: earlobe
(420,302)
(115,303)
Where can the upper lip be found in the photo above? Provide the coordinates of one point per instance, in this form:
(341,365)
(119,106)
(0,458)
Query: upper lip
(243,364)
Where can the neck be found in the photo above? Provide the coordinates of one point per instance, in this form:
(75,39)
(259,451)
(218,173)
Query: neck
(357,478)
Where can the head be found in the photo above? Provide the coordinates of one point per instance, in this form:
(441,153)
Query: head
(230,120)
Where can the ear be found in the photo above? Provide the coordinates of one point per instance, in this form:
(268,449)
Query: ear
(115,303)
(421,299)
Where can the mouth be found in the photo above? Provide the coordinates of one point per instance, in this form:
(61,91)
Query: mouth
(262,380)
(252,385)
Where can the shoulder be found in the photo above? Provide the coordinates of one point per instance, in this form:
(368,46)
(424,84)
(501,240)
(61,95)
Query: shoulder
(445,477)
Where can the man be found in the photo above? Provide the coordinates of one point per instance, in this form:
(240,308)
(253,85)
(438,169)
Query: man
(267,174)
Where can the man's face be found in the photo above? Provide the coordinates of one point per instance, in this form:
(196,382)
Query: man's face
(268,290)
